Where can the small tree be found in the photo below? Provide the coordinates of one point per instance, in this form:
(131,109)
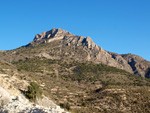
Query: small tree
(33,92)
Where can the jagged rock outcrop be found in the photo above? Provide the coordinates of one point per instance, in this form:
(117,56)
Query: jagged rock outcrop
(49,36)
(122,61)
(139,65)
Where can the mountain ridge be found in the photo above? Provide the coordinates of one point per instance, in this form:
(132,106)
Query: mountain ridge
(98,54)
(62,43)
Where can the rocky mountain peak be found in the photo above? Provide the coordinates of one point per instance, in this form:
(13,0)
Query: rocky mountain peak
(52,33)
(60,34)
(48,36)
(90,44)
(92,52)
(88,38)
(67,41)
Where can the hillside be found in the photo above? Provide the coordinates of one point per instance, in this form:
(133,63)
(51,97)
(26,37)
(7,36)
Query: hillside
(13,101)
(79,75)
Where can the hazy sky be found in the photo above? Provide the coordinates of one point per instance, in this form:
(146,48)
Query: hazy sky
(120,26)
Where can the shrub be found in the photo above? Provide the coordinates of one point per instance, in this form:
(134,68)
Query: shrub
(65,105)
(33,92)
(84,104)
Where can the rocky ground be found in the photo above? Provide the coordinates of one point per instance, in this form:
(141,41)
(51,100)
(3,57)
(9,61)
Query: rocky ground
(12,101)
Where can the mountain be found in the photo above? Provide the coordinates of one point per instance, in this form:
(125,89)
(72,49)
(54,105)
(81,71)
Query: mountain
(62,43)
(91,51)
(77,74)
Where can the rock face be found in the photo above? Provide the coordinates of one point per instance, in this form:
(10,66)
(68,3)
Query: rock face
(122,61)
(147,75)
(49,36)
(139,65)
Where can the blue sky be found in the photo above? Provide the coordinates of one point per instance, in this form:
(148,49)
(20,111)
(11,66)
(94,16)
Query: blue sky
(120,26)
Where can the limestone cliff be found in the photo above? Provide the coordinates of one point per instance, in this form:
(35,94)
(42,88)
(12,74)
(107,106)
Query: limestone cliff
(139,65)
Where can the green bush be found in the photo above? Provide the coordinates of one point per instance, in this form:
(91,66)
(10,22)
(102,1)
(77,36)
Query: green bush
(65,105)
(33,92)
(84,104)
